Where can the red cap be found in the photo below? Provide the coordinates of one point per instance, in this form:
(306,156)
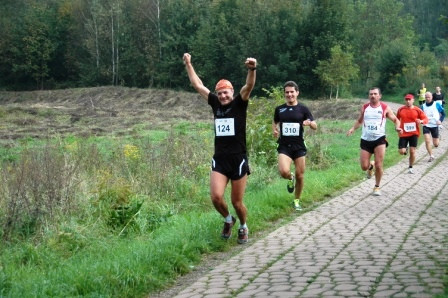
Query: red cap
(409,96)
(223,84)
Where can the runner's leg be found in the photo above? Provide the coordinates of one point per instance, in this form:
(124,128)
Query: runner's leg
(412,154)
(237,194)
(284,166)
(218,184)
(300,174)
(428,143)
(365,159)
(379,153)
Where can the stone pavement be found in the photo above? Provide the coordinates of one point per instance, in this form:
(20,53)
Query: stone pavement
(356,245)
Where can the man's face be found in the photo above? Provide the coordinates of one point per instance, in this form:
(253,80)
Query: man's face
(374,95)
(225,96)
(428,97)
(409,102)
(291,95)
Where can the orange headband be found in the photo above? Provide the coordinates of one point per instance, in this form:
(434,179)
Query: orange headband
(223,84)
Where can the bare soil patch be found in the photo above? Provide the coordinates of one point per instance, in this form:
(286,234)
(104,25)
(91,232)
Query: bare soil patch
(95,111)
(118,111)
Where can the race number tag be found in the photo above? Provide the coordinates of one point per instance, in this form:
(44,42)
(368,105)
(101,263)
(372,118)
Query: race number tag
(372,126)
(431,117)
(409,127)
(290,129)
(225,127)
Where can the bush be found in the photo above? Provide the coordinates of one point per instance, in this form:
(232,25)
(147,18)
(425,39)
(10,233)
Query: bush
(36,188)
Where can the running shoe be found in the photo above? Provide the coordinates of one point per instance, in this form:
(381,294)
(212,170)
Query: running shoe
(376,191)
(227,230)
(410,171)
(297,205)
(291,184)
(431,158)
(371,171)
(243,235)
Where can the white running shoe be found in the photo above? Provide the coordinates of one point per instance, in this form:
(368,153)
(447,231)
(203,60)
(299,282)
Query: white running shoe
(376,191)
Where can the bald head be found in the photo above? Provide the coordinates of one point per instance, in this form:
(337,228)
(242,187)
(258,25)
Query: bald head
(428,97)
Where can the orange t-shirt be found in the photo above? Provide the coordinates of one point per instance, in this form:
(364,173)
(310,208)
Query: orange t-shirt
(410,120)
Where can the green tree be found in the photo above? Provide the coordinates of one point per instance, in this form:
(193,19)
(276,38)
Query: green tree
(338,70)
(327,25)
(376,23)
(428,20)
(392,63)
(38,44)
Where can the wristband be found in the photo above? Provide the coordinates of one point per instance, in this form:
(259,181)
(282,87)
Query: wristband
(253,68)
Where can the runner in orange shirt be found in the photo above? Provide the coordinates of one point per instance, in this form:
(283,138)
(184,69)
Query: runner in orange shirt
(410,118)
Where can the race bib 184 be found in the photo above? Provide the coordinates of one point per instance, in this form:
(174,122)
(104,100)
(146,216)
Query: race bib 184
(225,127)
(372,126)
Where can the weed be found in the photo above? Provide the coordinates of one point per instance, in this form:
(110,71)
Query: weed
(36,188)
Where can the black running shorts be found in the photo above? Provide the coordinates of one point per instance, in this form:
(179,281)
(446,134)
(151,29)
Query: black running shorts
(291,151)
(370,146)
(412,141)
(434,131)
(233,166)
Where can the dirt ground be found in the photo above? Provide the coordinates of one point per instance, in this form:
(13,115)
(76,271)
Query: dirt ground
(95,111)
(117,111)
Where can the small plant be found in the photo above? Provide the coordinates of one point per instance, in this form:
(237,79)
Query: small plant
(116,203)
(131,152)
(36,188)
(260,141)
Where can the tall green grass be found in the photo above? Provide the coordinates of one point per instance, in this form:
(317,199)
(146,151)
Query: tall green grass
(136,211)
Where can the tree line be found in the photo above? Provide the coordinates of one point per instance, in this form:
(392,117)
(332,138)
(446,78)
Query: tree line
(327,46)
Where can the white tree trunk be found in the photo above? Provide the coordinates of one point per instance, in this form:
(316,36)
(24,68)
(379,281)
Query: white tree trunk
(159,29)
(113,45)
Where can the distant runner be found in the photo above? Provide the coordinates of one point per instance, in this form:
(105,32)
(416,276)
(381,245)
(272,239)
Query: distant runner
(435,113)
(410,117)
(421,94)
(373,138)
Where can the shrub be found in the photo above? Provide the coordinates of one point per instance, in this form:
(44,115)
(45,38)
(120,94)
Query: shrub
(36,188)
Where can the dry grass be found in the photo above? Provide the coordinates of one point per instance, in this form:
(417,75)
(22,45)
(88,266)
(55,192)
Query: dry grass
(95,111)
